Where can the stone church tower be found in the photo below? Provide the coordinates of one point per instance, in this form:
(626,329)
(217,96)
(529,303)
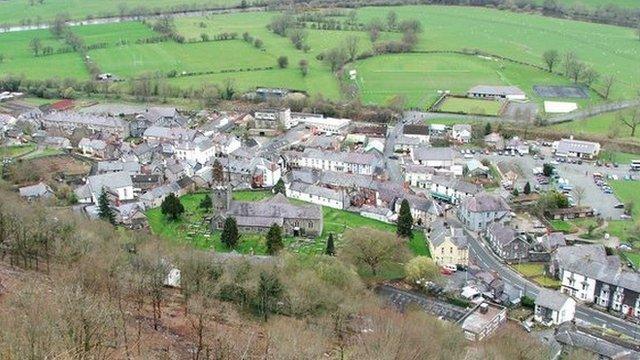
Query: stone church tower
(221,198)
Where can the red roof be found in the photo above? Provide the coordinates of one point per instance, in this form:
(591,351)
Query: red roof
(63,105)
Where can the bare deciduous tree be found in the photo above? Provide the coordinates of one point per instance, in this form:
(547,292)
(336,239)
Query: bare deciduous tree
(631,118)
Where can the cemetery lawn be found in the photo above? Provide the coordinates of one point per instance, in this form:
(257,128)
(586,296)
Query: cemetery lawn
(193,228)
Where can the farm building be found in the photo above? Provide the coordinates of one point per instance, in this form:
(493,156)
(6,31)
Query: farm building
(496,92)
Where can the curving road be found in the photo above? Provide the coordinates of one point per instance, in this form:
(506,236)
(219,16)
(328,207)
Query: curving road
(484,257)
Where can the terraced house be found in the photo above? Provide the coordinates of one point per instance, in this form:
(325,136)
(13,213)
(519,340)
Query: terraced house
(590,275)
(348,162)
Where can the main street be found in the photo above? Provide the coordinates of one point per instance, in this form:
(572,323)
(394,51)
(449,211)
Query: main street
(484,257)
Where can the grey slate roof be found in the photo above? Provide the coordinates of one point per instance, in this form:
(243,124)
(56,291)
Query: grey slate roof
(502,235)
(318,191)
(116,166)
(346,157)
(485,202)
(174,133)
(276,207)
(568,335)
(553,240)
(433,153)
(440,231)
(551,299)
(40,189)
(456,184)
(347,180)
(84,119)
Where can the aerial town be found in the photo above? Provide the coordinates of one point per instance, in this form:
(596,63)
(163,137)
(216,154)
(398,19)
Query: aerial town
(320,179)
(485,207)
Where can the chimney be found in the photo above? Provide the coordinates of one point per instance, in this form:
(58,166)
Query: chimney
(484,308)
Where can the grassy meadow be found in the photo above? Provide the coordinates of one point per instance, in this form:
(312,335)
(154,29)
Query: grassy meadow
(16,11)
(416,77)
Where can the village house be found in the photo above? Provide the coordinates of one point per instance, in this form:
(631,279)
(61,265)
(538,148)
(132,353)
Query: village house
(93,147)
(496,92)
(448,244)
(461,133)
(451,189)
(259,216)
(104,167)
(576,148)
(56,142)
(155,196)
(407,144)
(477,212)
(423,210)
(349,162)
(144,182)
(70,121)
(551,241)
(200,150)
(118,185)
(494,140)
(508,243)
(37,191)
(420,132)
(589,275)
(553,308)
(316,194)
(175,134)
(475,169)
(418,176)
(517,145)
(357,189)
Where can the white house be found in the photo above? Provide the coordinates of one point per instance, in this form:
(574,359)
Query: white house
(451,189)
(200,150)
(553,308)
(478,211)
(418,176)
(461,133)
(316,194)
(118,185)
(349,162)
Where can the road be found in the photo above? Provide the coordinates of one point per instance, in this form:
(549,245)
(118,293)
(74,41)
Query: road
(486,259)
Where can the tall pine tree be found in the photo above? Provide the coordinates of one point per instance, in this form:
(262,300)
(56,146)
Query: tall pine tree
(527,188)
(229,236)
(405,220)
(274,239)
(104,208)
(172,207)
(279,188)
(330,250)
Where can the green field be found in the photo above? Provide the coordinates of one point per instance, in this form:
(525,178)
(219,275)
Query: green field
(132,60)
(18,11)
(19,59)
(471,106)
(191,228)
(610,49)
(113,34)
(415,77)
(606,125)
(420,78)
